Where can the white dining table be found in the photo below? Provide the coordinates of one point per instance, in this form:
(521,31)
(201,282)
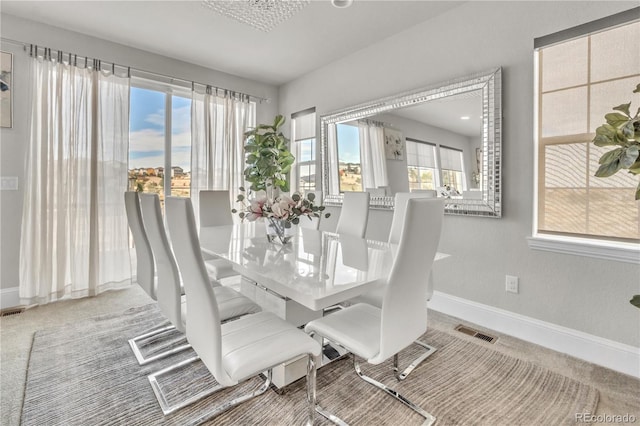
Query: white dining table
(315,270)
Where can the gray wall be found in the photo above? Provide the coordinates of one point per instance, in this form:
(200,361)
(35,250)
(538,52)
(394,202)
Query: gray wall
(581,293)
(13,141)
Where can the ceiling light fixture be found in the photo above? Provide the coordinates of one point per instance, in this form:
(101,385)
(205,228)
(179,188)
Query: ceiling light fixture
(341,4)
(465,117)
(263,15)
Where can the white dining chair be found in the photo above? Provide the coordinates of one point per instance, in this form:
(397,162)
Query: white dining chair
(376,192)
(375,296)
(145,274)
(171,301)
(145,270)
(354,214)
(238,350)
(215,210)
(378,333)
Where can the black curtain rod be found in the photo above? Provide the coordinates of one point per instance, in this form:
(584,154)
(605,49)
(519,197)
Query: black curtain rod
(48,53)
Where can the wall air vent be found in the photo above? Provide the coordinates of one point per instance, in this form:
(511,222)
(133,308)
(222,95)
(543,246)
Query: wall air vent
(12,311)
(475,333)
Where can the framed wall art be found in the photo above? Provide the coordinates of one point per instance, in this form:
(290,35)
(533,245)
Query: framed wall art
(6,89)
(393,144)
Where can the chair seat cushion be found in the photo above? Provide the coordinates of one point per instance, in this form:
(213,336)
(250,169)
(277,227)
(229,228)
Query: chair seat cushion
(232,304)
(219,269)
(357,328)
(255,343)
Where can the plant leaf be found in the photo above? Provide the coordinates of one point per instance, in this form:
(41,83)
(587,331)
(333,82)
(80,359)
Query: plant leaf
(616,119)
(279,121)
(608,169)
(637,90)
(623,108)
(629,157)
(610,156)
(638,192)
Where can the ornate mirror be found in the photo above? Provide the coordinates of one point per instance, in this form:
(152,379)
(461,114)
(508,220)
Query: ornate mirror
(444,139)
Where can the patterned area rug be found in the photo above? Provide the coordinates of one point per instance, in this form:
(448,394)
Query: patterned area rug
(86,374)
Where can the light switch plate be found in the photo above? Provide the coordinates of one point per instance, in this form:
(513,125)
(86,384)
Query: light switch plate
(9,183)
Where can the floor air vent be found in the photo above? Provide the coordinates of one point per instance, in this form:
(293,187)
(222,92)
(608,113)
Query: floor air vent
(475,333)
(11,311)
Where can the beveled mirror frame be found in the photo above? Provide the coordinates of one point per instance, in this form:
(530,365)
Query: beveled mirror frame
(491,85)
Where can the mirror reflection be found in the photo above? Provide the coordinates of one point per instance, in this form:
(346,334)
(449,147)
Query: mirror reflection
(436,145)
(443,140)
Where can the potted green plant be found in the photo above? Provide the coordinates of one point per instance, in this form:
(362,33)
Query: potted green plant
(268,159)
(621,130)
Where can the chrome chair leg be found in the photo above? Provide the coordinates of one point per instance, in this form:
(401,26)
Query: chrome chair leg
(416,362)
(150,337)
(429,419)
(230,404)
(166,407)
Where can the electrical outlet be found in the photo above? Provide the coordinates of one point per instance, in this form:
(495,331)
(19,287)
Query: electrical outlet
(511,284)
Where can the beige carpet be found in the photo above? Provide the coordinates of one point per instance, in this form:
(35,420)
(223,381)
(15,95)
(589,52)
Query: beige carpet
(86,374)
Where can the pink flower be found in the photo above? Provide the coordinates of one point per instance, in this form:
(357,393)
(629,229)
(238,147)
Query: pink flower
(282,207)
(256,208)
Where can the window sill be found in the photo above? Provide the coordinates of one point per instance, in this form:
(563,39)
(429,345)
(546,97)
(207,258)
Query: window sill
(621,252)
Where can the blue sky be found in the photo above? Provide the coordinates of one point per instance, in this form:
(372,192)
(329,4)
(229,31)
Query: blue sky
(348,144)
(146,129)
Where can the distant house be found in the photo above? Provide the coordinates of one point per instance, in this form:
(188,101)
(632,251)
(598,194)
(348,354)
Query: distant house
(151,171)
(159,171)
(177,171)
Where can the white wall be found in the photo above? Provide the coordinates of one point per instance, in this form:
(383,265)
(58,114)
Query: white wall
(581,293)
(13,141)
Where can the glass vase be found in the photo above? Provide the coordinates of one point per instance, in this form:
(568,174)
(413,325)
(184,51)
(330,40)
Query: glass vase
(277,231)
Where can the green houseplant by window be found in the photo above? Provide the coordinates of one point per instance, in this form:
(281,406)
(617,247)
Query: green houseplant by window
(268,159)
(621,130)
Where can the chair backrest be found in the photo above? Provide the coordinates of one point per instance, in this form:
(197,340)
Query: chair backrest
(428,193)
(168,290)
(404,307)
(376,192)
(203,318)
(145,270)
(399,210)
(314,222)
(354,214)
(215,208)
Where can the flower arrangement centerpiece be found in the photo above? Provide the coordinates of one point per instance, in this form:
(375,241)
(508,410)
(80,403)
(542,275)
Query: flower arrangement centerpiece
(268,163)
(280,212)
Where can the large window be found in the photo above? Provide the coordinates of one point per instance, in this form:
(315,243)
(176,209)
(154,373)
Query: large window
(421,165)
(159,139)
(452,166)
(303,141)
(349,162)
(579,81)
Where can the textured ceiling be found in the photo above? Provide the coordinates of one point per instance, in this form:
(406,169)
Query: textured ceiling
(186,30)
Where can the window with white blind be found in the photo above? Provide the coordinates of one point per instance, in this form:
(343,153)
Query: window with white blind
(580,79)
(421,165)
(451,164)
(303,146)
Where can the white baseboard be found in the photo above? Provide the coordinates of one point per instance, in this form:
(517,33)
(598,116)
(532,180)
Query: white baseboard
(9,297)
(597,350)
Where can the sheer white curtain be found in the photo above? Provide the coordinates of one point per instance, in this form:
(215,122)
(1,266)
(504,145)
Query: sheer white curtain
(372,156)
(332,145)
(74,228)
(218,124)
